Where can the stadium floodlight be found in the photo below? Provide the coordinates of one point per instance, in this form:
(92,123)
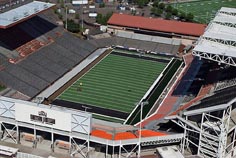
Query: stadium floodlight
(140,125)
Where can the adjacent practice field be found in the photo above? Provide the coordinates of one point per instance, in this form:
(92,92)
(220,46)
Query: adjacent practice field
(204,10)
(117,82)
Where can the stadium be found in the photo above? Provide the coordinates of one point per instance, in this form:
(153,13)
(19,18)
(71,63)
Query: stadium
(119,95)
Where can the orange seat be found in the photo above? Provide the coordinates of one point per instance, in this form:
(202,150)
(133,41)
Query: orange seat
(124,135)
(101,134)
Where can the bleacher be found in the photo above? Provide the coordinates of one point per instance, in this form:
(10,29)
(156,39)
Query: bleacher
(224,84)
(188,78)
(151,46)
(9,37)
(219,97)
(50,51)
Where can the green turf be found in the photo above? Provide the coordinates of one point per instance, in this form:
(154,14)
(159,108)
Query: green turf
(2,87)
(167,75)
(117,83)
(204,10)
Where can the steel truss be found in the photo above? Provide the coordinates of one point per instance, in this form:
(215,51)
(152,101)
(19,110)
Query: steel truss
(225,24)
(215,134)
(227,13)
(221,59)
(221,41)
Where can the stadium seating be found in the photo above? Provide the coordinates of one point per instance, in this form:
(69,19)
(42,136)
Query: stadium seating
(126,135)
(188,78)
(14,37)
(220,97)
(225,84)
(187,105)
(57,52)
(101,134)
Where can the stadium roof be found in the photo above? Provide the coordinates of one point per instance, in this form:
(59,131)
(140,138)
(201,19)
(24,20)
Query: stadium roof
(17,15)
(218,43)
(224,18)
(161,25)
(228,10)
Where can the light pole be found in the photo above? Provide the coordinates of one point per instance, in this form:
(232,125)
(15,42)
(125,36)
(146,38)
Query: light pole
(66,17)
(140,126)
(82,23)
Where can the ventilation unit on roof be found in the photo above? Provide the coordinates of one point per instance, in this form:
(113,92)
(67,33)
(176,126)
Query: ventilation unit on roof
(15,18)
(36,10)
(26,14)
(45,6)
(165,148)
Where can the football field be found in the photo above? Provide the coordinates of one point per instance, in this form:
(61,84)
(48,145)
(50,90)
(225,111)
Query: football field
(117,82)
(204,10)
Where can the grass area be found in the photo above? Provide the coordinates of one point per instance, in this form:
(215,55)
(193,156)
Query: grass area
(167,75)
(204,10)
(2,87)
(117,82)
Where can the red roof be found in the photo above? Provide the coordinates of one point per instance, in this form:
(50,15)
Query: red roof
(161,25)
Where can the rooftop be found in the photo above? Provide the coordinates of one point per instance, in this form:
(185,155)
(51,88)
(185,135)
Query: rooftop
(170,26)
(14,16)
(220,36)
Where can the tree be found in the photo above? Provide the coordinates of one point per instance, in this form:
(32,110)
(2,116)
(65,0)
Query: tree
(169,8)
(156,3)
(182,15)
(77,16)
(133,12)
(72,26)
(141,3)
(189,17)
(102,5)
(62,5)
(174,11)
(102,19)
(159,12)
(156,11)
(161,6)
(168,15)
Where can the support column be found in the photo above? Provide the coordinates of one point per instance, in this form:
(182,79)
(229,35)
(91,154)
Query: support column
(35,138)
(107,148)
(120,150)
(88,145)
(17,134)
(52,141)
(70,150)
(113,150)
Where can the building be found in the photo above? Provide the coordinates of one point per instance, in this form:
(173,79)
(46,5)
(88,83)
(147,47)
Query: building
(159,27)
